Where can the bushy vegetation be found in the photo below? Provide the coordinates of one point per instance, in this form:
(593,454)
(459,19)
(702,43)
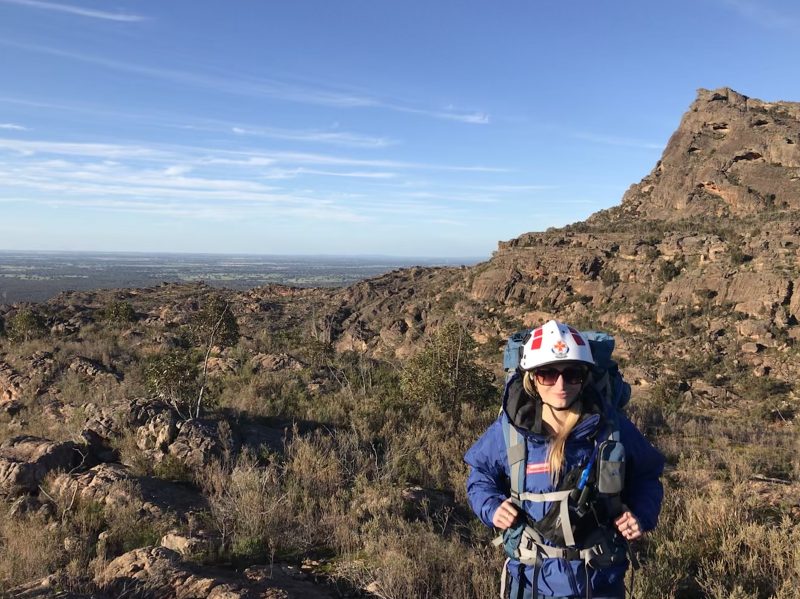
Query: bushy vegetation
(371,481)
(173,377)
(445,374)
(26,324)
(215,323)
(119,312)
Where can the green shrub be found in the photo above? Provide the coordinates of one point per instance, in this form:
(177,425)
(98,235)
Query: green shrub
(119,312)
(215,324)
(668,270)
(173,377)
(25,325)
(609,276)
(446,374)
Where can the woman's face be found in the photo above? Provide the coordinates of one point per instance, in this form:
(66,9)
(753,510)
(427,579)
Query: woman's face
(566,384)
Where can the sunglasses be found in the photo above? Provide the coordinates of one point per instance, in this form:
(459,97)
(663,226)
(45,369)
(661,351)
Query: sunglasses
(573,375)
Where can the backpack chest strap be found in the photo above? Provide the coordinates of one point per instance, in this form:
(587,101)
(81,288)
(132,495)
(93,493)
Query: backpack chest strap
(532,547)
(562,497)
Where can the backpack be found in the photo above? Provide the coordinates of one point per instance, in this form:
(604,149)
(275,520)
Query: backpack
(600,481)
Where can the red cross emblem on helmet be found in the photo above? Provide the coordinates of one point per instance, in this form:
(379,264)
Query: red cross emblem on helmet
(560,349)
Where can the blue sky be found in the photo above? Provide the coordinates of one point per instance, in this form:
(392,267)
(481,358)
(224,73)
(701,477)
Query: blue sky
(409,128)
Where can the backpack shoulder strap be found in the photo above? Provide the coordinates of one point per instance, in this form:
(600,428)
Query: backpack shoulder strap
(517,457)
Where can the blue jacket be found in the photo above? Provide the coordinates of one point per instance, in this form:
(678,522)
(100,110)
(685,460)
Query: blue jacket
(488,487)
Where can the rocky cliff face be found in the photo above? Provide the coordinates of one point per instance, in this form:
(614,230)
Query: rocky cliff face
(731,156)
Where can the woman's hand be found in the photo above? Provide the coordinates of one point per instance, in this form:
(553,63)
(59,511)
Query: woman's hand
(505,515)
(628,526)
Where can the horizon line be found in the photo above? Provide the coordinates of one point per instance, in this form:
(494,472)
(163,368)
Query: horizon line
(193,253)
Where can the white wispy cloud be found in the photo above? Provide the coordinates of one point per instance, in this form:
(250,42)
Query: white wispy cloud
(192,181)
(77,10)
(762,14)
(189,156)
(618,141)
(79,149)
(340,138)
(258,87)
(473,118)
(298,172)
(513,188)
(13,127)
(430,195)
(326,159)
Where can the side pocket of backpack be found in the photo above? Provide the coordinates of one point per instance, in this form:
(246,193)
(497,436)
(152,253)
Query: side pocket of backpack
(611,467)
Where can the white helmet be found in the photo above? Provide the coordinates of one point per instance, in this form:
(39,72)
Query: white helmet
(555,342)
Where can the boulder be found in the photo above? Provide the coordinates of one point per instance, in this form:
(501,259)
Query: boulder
(219,366)
(159,572)
(26,460)
(199,543)
(198,441)
(114,486)
(107,484)
(11,385)
(92,369)
(275,362)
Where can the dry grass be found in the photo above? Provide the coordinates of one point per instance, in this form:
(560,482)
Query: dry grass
(30,547)
(340,490)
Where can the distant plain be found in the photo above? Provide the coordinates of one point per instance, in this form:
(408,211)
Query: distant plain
(38,276)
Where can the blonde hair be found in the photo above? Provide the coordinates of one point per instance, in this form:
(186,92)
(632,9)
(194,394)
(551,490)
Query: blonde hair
(557,444)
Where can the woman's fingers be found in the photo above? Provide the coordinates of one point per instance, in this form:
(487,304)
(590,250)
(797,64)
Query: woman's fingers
(628,526)
(505,515)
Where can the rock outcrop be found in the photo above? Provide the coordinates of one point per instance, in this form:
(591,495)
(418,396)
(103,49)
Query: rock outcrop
(731,156)
(159,572)
(26,460)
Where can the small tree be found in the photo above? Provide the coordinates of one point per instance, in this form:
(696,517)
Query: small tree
(119,312)
(445,373)
(215,324)
(25,325)
(173,377)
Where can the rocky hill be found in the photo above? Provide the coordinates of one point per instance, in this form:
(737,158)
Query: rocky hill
(696,273)
(707,242)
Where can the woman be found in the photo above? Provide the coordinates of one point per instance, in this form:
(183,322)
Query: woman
(585,481)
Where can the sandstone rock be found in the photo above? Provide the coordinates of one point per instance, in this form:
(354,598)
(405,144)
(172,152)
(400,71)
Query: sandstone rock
(219,366)
(49,587)
(714,151)
(198,543)
(42,362)
(197,442)
(26,460)
(115,487)
(275,362)
(92,369)
(158,572)
(754,329)
(794,304)
(752,348)
(107,484)
(11,384)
